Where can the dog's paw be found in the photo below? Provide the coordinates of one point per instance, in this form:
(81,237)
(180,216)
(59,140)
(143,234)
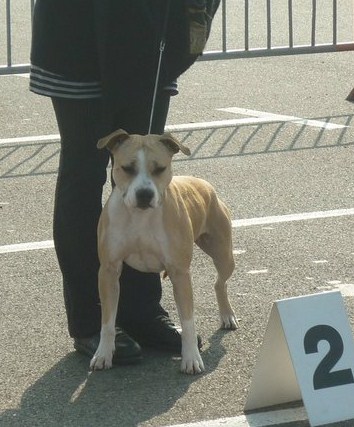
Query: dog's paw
(101,360)
(229,321)
(192,364)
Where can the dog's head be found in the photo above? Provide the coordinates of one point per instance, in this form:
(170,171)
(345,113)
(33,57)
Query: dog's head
(142,165)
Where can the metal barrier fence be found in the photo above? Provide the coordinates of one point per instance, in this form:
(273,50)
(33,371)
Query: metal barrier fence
(6,48)
(242,29)
(281,24)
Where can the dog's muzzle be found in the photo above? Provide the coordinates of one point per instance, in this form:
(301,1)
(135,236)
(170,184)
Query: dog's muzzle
(144,198)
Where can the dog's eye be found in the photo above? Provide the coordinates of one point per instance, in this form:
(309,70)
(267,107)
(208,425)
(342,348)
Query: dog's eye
(129,170)
(158,170)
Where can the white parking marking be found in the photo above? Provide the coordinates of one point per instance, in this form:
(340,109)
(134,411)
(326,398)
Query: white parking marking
(29,139)
(346,289)
(262,271)
(292,217)
(271,418)
(24,247)
(256,117)
(249,222)
(270,117)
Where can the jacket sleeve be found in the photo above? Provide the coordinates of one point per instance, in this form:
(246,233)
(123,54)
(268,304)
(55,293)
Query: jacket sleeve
(127,40)
(189,22)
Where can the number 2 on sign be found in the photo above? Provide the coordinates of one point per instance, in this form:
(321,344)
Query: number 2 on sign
(323,377)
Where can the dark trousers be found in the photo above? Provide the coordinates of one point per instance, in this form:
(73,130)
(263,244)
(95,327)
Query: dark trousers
(78,204)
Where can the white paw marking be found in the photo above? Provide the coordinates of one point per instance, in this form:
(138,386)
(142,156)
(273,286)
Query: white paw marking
(229,321)
(102,358)
(192,362)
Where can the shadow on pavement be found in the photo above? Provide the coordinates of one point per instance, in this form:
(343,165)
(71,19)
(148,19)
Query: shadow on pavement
(41,158)
(69,395)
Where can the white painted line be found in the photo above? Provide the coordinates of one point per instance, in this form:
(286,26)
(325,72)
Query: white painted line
(269,117)
(187,127)
(249,222)
(292,217)
(25,75)
(262,419)
(257,117)
(238,251)
(23,247)
(346,289)
(262,271)
(28,139)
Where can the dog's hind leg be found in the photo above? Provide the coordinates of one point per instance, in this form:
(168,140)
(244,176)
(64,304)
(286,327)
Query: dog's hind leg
(225,266)
(218,245)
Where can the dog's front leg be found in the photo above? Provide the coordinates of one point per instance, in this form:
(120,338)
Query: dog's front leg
(108,284)
(192,362)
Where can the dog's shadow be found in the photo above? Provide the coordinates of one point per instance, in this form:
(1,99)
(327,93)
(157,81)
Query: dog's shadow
(69,395)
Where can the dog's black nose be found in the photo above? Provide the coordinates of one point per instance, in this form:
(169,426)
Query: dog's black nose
(144,197)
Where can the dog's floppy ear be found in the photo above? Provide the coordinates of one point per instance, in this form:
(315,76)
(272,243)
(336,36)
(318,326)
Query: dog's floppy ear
(174,145)
(111,141)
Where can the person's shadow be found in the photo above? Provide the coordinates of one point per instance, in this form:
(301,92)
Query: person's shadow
(69,395)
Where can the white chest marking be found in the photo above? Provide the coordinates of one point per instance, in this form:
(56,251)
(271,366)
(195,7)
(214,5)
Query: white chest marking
(138,237)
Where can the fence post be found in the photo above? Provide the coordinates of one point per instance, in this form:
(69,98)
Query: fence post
(8,34)
(350,97)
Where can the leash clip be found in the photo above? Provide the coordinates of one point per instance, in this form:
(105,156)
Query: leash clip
(162,45)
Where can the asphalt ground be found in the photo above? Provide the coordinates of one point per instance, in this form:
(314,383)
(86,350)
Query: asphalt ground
(259,169)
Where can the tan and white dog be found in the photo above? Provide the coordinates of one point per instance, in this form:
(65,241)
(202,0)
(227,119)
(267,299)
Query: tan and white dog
(150,221)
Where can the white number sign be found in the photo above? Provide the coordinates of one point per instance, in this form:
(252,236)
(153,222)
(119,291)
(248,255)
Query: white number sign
(308,353)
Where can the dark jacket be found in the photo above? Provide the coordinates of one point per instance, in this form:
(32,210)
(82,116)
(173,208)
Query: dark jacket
(115,42)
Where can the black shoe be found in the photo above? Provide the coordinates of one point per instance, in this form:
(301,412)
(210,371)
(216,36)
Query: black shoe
(127,352)
(159,333)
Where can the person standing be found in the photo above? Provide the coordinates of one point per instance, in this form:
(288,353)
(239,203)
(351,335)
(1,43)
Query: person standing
(97,61)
